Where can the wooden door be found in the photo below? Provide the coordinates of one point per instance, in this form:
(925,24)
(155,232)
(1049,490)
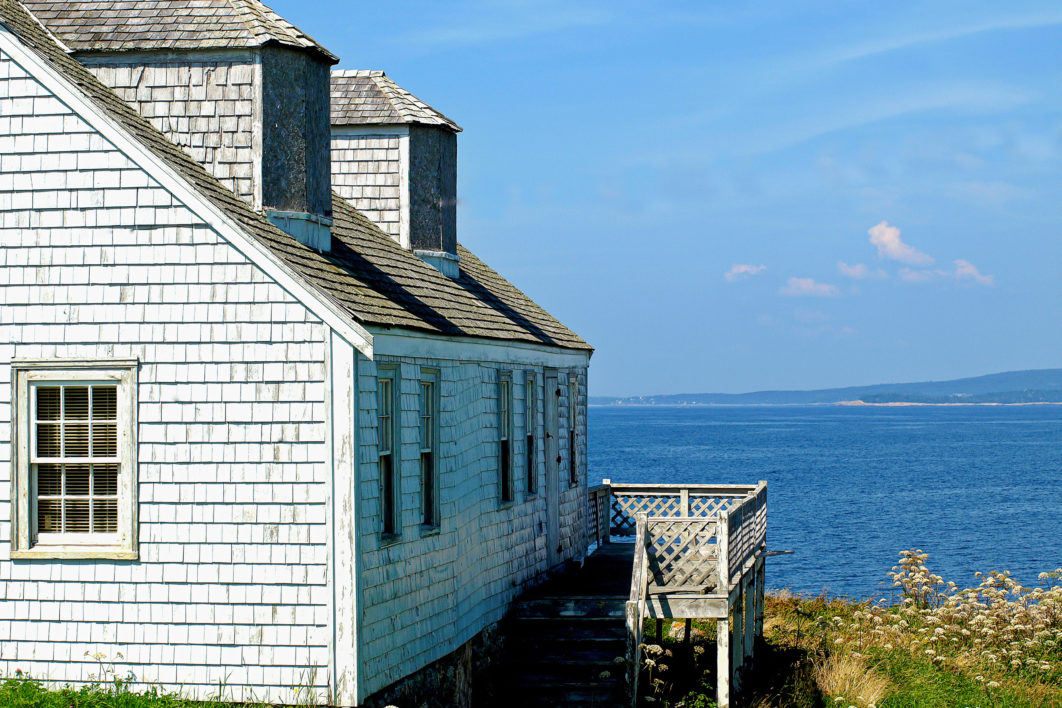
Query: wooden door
(551,402)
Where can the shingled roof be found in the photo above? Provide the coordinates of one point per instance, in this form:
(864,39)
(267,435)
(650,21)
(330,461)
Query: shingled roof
(372,98)
(367,274)
(142,25)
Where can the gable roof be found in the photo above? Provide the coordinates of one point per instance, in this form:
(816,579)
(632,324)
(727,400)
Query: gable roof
(372,98)
(144,25)
(368,276)
(388,286)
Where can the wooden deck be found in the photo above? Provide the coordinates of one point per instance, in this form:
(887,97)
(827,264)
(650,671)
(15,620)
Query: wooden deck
(605,573)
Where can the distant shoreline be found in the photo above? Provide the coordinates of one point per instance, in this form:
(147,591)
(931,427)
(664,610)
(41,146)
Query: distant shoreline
(894,404)
(853,404)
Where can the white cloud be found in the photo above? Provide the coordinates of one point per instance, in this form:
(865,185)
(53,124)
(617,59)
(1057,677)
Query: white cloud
(916,276)
(965,270)
(740,271)
(890,245)
(796,287)
(859,271)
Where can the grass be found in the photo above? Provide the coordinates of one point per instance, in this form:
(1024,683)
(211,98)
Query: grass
(996,644)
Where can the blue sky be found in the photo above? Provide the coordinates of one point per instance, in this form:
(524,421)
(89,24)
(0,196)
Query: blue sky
(740,196)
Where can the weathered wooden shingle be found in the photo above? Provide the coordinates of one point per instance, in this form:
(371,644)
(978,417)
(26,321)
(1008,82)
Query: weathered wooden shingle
(138,25)
(370,276)
(372,98)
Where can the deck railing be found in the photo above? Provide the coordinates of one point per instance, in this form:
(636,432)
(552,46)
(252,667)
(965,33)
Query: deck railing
(698,552)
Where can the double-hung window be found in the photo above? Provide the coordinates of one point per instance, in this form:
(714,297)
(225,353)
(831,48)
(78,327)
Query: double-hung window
(529,427)
(429,482)
(573,417)
(75,466)
(388,452)
(505,450)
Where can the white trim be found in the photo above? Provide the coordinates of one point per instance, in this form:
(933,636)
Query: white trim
(404,238)
(258,253)
(407,343)
(363,130)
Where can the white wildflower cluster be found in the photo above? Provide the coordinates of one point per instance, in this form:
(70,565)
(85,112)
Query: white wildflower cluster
(1001,626)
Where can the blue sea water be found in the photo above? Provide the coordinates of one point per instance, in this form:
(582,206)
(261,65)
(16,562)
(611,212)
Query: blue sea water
(978,488)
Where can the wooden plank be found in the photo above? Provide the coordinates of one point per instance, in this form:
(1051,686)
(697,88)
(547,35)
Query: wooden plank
(670,606)
(761,579)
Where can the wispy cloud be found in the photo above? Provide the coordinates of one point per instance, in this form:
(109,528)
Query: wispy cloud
(885,45)
(964,271)
(890,245)
(799,287)
(490,23)
(860,271)
(741,271)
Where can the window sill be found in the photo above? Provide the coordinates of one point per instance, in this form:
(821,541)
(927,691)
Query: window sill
(389,539)
(506,504)
(74,553)
(429,530)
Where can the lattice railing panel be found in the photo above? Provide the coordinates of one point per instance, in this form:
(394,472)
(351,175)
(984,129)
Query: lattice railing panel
(682,551)
(625,505)
(746,530)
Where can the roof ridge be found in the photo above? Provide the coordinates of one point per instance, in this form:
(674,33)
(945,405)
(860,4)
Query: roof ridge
(358,73)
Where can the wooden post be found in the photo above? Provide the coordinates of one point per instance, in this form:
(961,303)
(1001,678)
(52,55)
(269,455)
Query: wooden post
(607,512)
(748,590)
(633,651)
(761,580)
(722,663)
(684,502)
(689,626)
(737,651)
(659,630)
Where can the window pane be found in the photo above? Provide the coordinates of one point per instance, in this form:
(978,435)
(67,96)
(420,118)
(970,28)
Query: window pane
(76,440)
(105,516)
(104,402)
(49,516)
(75,402)
(104,440)
(49,480)
(48,440)
(77,480)
(77,516)
(48,403)
(105,480)
(427,471)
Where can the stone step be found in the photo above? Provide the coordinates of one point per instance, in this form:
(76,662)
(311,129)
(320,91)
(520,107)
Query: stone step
(571,606)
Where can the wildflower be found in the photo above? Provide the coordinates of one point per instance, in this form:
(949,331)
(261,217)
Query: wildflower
(604,675)
(993,684)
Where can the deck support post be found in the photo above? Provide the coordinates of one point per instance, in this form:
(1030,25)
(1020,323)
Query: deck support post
(749,596)
(634,658)
(737,651)
(722,663)
(761,568)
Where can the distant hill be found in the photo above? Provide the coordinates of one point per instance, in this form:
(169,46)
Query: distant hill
(1033,386)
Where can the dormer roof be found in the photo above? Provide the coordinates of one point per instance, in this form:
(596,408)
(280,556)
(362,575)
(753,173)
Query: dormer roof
(362,97)
(159,25)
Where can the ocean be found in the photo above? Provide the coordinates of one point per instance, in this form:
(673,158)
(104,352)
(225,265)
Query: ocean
(977,487)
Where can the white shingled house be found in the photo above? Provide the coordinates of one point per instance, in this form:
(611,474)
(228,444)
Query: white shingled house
(267,425)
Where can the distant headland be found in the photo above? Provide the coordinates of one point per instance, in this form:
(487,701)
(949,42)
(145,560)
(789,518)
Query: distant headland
(1035,386)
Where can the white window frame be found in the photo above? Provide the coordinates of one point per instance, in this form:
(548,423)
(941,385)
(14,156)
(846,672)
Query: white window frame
(390,374)
(429,380)
(25,543)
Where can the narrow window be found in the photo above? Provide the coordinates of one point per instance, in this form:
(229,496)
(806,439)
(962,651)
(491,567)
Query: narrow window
(385,393)
(505,398)
(529,426)
(75,452)
(573,416)
(429,482)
